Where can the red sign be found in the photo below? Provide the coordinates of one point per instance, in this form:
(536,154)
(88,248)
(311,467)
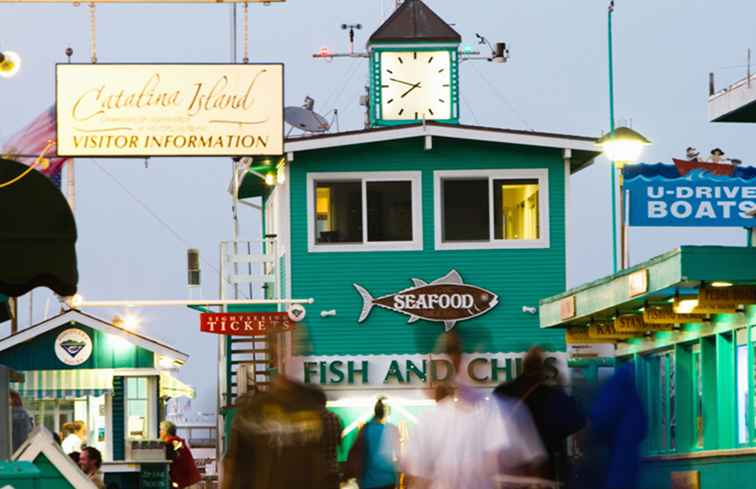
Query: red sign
(245,323)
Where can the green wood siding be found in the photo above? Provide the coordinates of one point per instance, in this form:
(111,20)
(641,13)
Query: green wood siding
(119,418)
(39,353)
(50,477)
(520,277)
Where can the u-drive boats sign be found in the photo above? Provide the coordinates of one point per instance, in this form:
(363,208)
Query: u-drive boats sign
(170,110)
(447,299)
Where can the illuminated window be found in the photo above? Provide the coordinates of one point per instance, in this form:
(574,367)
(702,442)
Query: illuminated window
(137,407)
(365,211)
(491,209)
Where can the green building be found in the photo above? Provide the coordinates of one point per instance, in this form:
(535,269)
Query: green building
(365,221)
(687,322)
(79,367)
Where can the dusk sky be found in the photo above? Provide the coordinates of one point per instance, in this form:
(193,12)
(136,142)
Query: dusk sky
(135,223)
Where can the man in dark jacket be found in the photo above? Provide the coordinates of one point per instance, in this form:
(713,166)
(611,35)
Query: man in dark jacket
(556,415)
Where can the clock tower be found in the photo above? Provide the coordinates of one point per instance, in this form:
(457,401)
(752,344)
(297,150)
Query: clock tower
(414,68)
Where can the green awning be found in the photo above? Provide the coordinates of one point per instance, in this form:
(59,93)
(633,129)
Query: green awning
(64,384)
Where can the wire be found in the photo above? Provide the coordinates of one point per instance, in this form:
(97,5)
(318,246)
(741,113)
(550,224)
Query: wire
(348,74)
(155,216)
(502,97)
(469,107)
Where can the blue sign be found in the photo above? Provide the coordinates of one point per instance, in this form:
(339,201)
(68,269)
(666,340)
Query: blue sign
(660,196)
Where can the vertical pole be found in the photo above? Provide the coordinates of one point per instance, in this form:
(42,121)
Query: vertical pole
(6,433)
(611,131)
(749,68)
(13,302)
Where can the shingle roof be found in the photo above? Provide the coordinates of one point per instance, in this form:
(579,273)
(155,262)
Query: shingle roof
(414,21)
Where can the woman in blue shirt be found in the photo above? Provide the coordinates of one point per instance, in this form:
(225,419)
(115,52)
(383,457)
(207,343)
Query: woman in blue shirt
(381,447)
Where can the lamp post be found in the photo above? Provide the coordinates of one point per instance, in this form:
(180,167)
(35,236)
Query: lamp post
(622,146)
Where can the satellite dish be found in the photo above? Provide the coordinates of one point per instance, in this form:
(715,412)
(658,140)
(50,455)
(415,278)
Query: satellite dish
(306,120)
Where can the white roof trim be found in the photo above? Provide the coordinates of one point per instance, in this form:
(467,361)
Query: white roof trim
(94,323)
(40,441)
(454,132)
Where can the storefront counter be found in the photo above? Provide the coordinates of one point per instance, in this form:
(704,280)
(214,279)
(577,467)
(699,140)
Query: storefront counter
(128,474)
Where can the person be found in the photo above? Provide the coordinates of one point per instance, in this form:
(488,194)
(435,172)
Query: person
(21,422)
(276,435)
(716,155)
(331,441)
(90,461)
(373,455)
(74,436)
(555,414)
(460,443)
(183,470)
(618,419)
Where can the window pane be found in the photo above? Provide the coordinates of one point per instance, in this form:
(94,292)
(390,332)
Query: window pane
(338,212)
(516,209)
(389,211)
(465,210)
(131,388)
(142,392)
(742,369)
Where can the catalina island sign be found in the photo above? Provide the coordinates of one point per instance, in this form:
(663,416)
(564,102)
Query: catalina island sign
(169,110)
(447,299)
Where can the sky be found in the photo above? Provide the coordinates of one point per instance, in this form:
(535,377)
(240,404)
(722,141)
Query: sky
(136,220)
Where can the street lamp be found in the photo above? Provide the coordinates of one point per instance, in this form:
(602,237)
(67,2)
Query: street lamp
(622,146)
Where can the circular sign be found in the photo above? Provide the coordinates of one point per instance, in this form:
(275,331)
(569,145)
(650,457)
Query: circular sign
(296,312)
(73,347)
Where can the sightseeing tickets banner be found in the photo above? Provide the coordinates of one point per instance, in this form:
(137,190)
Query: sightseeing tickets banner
(679,195)
(169,110)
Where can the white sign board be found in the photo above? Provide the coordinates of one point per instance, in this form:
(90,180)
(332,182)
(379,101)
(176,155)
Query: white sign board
(73,347)
(169,110)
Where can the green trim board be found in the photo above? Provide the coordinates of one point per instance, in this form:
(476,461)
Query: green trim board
(684,268)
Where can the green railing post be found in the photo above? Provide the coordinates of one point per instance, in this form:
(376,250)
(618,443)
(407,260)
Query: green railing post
(611,130)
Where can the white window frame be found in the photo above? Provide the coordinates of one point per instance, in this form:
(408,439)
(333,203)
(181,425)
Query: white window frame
(414,177)
(542,175)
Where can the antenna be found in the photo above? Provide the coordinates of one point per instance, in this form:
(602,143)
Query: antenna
(351,28)
(499,53)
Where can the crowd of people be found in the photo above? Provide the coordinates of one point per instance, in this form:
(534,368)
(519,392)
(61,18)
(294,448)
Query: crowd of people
(515,438)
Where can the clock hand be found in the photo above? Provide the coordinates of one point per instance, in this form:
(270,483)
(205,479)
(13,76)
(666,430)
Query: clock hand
(403,82)
(416,85)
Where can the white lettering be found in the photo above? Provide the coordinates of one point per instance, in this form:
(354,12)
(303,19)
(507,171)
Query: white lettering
(746,207)
(681,209)
(684,193)
(443,301)
(468,301)
(399,302)
(726,208)
(655,195)
(748,192)
(706,210)
(657,210)
(703,192)
(409,302)
(422,302)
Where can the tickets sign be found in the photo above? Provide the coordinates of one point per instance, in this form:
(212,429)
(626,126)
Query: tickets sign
(169,110)
(245,323)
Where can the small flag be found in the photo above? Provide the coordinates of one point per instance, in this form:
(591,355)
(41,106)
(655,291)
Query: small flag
(32,142)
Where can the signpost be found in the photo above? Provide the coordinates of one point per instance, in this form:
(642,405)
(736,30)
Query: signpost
(245,323)
(666,315)
(127,110)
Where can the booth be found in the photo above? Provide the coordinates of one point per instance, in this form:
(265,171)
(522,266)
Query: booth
(686,320)
(80,367)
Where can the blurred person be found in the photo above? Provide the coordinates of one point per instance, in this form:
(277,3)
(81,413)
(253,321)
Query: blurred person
(75,457)
(75,436)
(90,461)
(331,441)
(377,449)
(276,435)
(183,469)
(21,422)
(459,443)
(556,415)
(618,420)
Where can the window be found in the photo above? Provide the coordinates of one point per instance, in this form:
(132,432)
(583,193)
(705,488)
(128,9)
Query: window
(698,404)
(364,211)
(661,385)
(137,408)
(491,209)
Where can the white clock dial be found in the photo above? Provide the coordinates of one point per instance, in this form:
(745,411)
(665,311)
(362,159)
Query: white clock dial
(415,85)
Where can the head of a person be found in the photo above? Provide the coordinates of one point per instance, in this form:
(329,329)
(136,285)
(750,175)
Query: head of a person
(450,344)
(90,460)
(533,364)
(67,429)
(80,428)
(167,428)
(381,410)
(15,399)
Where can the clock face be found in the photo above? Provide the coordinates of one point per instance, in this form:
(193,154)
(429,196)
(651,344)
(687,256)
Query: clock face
(415,85)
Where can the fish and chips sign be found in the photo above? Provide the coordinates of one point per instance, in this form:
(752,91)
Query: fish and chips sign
(124,110)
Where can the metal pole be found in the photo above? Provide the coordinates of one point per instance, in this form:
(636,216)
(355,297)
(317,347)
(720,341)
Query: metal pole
(191,302)
(611,130)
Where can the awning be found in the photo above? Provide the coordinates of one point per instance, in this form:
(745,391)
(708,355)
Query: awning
(64,384)
(172,387)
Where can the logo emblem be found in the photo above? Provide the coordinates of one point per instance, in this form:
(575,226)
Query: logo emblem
(73,347)
(447,299)
(296,312)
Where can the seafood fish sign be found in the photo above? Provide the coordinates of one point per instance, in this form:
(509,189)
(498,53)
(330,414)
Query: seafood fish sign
(447,299)
(660,196)
(169,110)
